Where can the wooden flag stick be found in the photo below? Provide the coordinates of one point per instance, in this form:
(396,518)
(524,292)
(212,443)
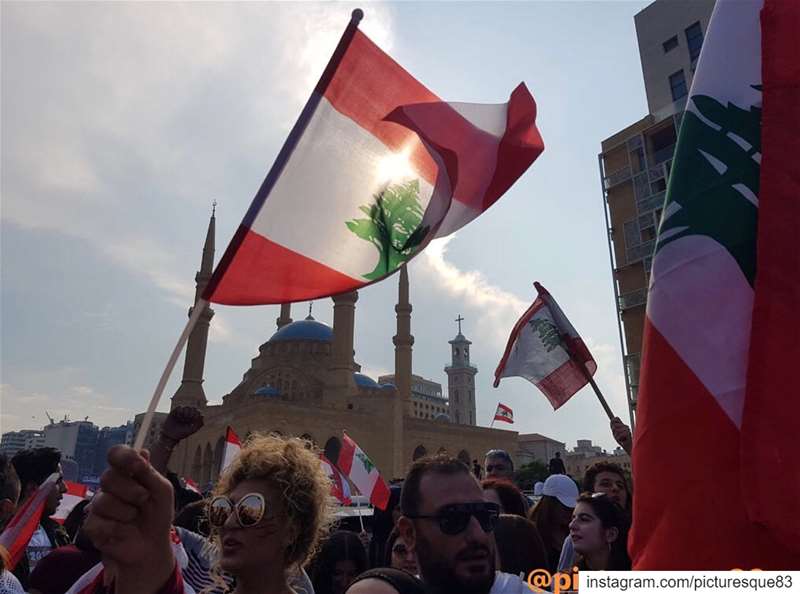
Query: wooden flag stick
(199,308)
(597,391)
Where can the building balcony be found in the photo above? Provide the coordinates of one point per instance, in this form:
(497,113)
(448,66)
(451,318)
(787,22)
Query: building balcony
(619,176)
(639,252)
(663,154)
(650,203)
(633,299)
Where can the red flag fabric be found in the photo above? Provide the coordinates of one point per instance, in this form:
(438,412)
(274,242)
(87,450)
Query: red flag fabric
(714,407)
(375,168)
(232,448)
(546,350)
(504,414)
(340,488)
(361,471)
(17,533)
(76,492)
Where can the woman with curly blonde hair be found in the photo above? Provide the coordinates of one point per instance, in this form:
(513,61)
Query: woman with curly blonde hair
(269,512)
(271,508)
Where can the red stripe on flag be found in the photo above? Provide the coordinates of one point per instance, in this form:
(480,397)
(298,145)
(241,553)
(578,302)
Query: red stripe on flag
(380,495)
(231,437)
(563,382)
(265,272)
(367,86)
(346,455)
(688,511)
(770,465)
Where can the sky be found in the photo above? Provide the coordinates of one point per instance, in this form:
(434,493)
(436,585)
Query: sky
(123,122)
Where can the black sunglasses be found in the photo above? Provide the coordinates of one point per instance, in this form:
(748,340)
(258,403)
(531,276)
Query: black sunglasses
(453,519)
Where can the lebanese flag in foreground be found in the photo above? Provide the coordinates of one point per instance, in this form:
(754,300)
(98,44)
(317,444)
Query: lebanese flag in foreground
(232,448)
(357,466)
(340,488)
(546,350)
(718,411)
(374,169)
(17,533)
(76,493)
(503,413)
(192,486)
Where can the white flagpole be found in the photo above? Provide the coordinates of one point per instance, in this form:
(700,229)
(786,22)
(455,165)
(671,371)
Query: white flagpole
(199,308)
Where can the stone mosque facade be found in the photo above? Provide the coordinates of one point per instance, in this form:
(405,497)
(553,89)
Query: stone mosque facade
(305,381)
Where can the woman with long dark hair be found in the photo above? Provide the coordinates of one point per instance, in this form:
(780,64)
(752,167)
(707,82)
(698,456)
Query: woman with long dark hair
(599,532)
(340,559)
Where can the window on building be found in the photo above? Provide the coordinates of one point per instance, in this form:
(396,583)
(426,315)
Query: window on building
(694,40)
(670,44)
(677,84)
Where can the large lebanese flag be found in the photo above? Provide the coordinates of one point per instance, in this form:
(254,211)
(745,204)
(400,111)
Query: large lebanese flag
(375,168)
(358,467)
(545,349)
(717,412)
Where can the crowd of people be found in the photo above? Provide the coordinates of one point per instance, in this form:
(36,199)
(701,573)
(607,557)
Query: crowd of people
(269,526)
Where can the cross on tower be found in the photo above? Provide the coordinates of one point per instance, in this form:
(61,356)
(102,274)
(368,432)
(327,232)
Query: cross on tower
(459,319)
(213,208)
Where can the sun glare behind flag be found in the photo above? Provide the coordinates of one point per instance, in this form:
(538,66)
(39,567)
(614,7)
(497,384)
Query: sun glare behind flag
(546,350)
(503,413)
(375,168)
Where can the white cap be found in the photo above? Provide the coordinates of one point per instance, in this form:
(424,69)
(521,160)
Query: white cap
(537,488)
(562,488)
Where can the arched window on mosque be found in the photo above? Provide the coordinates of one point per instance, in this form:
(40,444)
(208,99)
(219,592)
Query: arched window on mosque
(419,452)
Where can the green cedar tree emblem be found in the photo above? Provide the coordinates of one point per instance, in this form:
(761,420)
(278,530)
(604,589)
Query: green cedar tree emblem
(368,465)
(393,226)
(710,163)
(548,333)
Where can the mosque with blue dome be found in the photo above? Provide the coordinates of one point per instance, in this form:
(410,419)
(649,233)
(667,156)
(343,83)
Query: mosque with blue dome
(306,382)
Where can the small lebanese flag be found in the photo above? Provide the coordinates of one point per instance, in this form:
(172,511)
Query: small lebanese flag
(232,448)
(192,486)
(17,533)
(546,350)
(340,488)
(357,466)
(503,413)
(76,493)
(374,169)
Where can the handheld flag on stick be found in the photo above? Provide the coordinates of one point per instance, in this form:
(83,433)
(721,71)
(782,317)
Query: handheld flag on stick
(504,414)
(76,493)
(17,533)
(720,336)
(340,488)
(546,350)
(357,466)
(375,167)
(232,448)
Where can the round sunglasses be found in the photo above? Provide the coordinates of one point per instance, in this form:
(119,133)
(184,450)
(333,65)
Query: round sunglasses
(454,519)
(248,511)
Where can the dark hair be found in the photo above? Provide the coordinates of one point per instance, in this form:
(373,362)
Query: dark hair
(402,581)
(9,481)
(439,464)
(546,516)
(520,547)
(382,525)
(510,496)
(591,476)
(342,545)
(35,465)
(194,517)
(501,454)
(75,519)
(611,515)
(387,557)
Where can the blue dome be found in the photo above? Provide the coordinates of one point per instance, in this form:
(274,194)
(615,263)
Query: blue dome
(304,330)
(365,381)
(388,386)
(268,391)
